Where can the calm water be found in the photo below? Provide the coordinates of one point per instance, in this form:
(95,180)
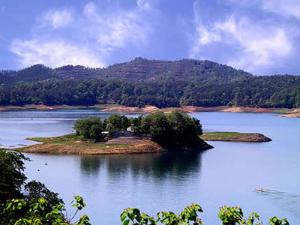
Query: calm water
(227,174)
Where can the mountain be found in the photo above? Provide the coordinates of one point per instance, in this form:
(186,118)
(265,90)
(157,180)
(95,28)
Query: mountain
(148,82)
(141,69)
(137,70)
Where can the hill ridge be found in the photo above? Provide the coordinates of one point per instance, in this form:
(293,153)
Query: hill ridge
(136,70)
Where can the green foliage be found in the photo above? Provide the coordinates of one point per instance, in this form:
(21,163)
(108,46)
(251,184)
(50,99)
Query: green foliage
(195,83)
(157,125)
(133,216)
(78,202)
(11,175)
(116,123)
(276,221)
(174,130)
(231,215)
(190,216)
(186,128)
(234,215)
(89,128)
(36,190)
(37,205)
(136,124)
(297,98)
(41,212)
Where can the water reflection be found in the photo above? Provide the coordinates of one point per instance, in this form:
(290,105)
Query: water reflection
(90,164)
(159,165)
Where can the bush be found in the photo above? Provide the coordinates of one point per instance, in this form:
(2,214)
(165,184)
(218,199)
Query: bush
(158,126)
(116,123)
(37,205)
(41,212)
(190,215)
(89,128)
(172,130)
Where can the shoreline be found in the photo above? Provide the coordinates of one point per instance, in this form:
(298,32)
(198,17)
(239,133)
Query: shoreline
(283,112)
(72,145)
(79,147)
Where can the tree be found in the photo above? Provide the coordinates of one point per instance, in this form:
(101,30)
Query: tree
(297,98)
(35,190)
(136,124)
(12,176)
(174,130)
(117,123)
(37,205)
(158,126)
(89,128)
(186,129)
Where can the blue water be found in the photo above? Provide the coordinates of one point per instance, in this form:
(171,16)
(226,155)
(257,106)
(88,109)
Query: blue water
(225,175)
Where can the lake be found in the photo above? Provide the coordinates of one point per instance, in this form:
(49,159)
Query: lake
(225,175)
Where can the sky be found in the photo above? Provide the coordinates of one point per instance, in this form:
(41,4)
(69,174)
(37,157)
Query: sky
(259,36)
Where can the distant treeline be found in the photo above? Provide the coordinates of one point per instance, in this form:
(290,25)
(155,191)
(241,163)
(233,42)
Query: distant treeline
(258,91)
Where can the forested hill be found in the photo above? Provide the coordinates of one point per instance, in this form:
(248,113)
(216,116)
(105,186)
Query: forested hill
(154,82)
(137,70)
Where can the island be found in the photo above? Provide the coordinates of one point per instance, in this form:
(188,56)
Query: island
(156,132)
(72,144)
(235,137)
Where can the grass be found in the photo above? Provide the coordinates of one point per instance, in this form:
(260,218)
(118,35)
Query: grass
(57,140)
(223,135)
(71,139)
(234,136)
(72,144)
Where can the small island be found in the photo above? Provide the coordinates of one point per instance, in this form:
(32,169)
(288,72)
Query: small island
(156,132)
(235,137)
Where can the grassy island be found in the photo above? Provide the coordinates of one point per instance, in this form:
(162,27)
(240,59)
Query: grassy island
(72,144)
(235,137)
(156,132)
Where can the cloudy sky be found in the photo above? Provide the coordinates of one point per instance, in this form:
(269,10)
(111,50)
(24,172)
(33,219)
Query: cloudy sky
(260,36)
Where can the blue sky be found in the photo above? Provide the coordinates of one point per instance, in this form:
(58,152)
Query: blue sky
(260,36)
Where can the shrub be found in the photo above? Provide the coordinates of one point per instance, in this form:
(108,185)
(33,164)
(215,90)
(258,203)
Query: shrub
(89,128)
(116,123)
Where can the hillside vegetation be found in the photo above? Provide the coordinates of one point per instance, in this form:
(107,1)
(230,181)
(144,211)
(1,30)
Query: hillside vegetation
(148,82)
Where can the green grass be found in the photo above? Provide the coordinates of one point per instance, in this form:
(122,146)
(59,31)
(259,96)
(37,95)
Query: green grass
(57,140)
(220,136)
(71,139)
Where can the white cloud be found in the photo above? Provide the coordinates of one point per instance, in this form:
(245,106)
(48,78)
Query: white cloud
(58,18)
(144,4)
(117,29)
(259,44)
(253,45)
(203,37)
(283,7)
(53,53)
(96,36)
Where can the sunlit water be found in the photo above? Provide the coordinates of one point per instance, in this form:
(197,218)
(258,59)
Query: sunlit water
(227,174)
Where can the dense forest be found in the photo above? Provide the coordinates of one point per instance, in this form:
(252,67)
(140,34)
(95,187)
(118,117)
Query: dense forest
(148,82)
